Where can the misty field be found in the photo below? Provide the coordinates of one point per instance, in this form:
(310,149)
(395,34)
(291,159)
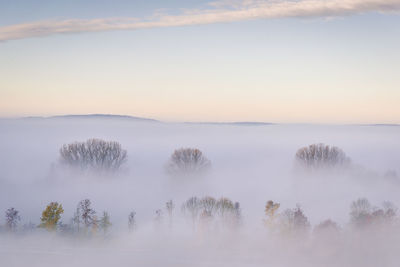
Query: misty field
(101,191)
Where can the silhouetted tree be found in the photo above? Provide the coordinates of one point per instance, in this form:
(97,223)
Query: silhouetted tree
(51,216)
(76,220)
(300,220)
(95,224)
(228,213)
(192,207)
(327,235)
(320,156)
(186,161)
(295,221)
(29,227)
(170,207)
(87,214)
(391,175)
(237,214)
(271,210)
(105,222)
(225,206)
(158,219)
(360,212)
(208,206)
(12,219)
(390,210)
(132,221)
(327,226)
(384,215)
(94,154)
(65,228)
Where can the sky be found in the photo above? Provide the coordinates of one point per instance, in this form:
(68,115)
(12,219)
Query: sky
(304,61)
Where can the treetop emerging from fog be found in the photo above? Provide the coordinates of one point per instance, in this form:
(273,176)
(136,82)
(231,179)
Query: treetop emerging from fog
(321,156)
(94,154)
(186,161)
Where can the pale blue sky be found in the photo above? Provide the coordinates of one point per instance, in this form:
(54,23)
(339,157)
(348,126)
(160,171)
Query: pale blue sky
(342,69)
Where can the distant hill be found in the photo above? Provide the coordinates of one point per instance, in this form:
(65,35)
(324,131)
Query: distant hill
(95,116)
(384,124)
(240,123)
(140,119)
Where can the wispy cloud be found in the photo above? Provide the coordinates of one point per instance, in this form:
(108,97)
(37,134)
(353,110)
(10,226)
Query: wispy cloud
(214,12)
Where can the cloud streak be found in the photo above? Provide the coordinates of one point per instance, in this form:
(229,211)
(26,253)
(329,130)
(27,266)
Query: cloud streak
(214,12)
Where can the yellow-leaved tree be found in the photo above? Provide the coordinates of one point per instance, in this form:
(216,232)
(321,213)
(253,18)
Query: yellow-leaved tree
(51,215)
(271,210)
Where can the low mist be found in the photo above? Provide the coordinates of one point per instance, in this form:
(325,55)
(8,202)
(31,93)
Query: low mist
(266,207)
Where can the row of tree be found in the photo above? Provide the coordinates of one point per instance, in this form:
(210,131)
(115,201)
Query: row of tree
(205,214)
(100,155)
(362,216)
(84,220)
(108,156)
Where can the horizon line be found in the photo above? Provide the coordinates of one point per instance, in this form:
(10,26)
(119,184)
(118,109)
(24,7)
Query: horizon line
(146,119)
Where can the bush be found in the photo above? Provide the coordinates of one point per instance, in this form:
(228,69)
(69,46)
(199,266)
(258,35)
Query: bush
(186,161)
(94,154)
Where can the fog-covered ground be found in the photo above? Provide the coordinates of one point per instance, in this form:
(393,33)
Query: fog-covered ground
(251,164)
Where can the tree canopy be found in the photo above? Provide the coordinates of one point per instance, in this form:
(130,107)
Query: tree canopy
(186,161)
(94,154)
(51,216)
(321,156)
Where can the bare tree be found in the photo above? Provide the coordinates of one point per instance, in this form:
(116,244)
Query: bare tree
(76,220)
(300,220)
(360,212)
(209,206)
(29,227)
(12,219)
(132,221)
(390,210)
(105,222)
(237,214)
(87,214)
(326,230)
(158,219)
(186,161)
(294,220)
(170,207)
(228,212)
(94,154)
(192,208)
(320,156)
(225,207)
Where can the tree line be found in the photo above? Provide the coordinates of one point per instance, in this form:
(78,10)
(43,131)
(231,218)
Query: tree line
(205,214)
